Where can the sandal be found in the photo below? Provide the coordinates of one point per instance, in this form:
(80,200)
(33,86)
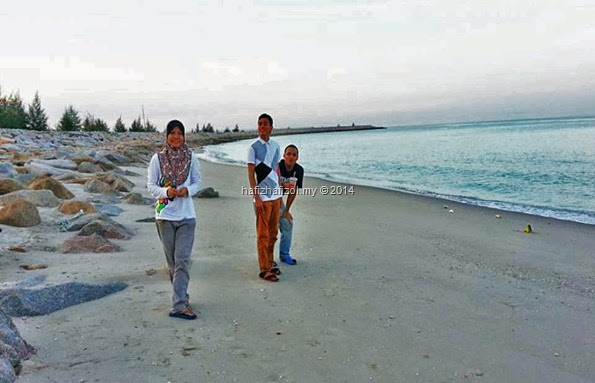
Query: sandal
(268,276)
(276,271)
(184,313)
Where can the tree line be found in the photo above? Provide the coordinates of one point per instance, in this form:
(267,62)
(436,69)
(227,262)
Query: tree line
(15,115)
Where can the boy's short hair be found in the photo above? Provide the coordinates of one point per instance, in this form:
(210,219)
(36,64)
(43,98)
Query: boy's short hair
(264,115)
(292,146)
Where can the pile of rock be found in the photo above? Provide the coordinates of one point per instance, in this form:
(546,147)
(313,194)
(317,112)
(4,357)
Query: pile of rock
(56,182)
(38,173)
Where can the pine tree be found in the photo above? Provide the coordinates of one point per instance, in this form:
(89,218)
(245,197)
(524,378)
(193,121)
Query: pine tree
(70,120)
(208,128)
(236,129)
(119,127)
(149,127)
(12,112)
(92,124)
(137,125)
(36,117)
(100,125)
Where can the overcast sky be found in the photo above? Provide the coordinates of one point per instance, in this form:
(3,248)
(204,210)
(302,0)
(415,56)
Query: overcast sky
(379,62)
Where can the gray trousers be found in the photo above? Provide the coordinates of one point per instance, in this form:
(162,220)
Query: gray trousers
(177,238)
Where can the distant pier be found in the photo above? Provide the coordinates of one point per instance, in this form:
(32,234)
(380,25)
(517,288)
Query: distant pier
(323,129)
(201,139)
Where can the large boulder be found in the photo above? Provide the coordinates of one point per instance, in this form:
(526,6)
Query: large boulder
(41,198)
(112,230)
(44,299)
(88,244)
(116,182)
(38,168)
(74,206)
(115,158)
(89,167)
(49,183)
(20,213)
(8,185)
(79,220)
(106,164)
(97,186)
(59,163)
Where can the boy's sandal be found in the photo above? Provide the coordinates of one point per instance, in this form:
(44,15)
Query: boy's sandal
(184,313)
(276,271)
(268,276)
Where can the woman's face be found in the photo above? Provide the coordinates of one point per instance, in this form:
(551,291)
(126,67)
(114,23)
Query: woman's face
(175,138)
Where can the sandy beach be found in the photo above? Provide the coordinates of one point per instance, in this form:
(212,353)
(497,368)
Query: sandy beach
(389,287)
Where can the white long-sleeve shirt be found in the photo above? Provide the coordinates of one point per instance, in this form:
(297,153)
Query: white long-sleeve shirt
(181,207)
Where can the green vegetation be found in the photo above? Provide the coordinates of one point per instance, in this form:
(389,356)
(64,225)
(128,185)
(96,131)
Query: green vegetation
(119,126)
(36,117)
(92,124)
(12,112)
(70,120)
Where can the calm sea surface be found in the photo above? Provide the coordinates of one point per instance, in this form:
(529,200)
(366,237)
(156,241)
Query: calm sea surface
(544,167)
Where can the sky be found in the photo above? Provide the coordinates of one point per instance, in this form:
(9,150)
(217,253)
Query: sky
(307,63)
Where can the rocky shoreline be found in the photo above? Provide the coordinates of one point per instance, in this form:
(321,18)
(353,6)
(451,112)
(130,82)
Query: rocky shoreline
(63,182)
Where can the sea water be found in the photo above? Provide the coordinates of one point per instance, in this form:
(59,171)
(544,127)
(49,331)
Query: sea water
(543,167)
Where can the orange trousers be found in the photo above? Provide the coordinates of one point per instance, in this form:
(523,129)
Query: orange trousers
(267,227)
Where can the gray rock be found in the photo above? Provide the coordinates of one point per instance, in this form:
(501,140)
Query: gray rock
(109,210)
(116,181)
(104,162)
(116,158)
(88,167)
(12,147)
(136,199)
(97,186)
(41,198)
(7,170)
(59,163)
(7,372)
(208,192)
(38,168)
(77,222)
(111,230)
(13,348)
(47,299)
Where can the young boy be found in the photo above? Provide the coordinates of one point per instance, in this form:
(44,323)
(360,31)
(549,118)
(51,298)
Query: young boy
(292,177)
(263,175)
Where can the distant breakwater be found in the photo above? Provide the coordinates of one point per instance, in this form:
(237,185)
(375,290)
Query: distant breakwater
(201,139)
(50,141)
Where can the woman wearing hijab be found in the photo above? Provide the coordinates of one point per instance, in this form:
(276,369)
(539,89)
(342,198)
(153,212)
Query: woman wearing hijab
(173,178)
